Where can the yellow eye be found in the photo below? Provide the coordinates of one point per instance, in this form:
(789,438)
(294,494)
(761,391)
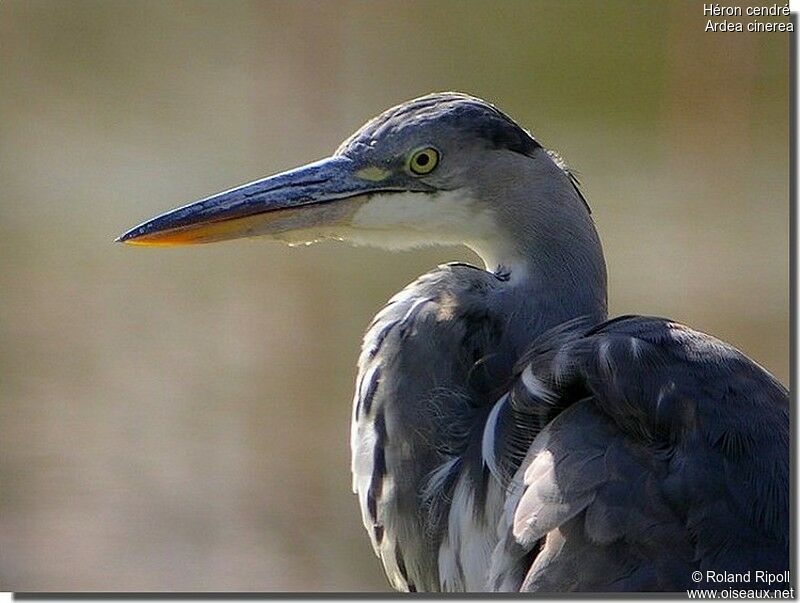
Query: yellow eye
(423,161)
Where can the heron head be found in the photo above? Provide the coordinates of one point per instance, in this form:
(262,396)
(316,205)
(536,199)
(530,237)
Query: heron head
(435,170)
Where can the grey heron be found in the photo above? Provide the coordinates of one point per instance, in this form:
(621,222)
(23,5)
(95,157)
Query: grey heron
(506,435)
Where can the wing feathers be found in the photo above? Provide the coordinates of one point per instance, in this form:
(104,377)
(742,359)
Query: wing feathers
(671,455)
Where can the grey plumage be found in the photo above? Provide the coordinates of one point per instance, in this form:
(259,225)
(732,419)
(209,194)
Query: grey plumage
(675,458)
(506,435)
(666,450)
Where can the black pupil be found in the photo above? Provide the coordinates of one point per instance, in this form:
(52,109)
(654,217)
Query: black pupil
(423,159)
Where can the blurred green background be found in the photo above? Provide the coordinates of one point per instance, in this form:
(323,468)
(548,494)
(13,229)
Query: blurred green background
(179,419)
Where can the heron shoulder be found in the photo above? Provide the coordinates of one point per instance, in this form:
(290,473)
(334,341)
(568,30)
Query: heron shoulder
(448,290)
(450,316)
(424,378)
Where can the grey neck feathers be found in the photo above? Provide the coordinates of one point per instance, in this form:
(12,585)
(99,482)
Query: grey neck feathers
(547,240)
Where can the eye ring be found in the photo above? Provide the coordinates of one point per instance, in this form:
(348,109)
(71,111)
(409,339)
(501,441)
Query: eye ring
(423,161)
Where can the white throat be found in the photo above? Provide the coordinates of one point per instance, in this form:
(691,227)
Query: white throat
(411,220)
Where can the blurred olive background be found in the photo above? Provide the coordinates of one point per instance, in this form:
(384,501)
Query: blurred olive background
(179,418)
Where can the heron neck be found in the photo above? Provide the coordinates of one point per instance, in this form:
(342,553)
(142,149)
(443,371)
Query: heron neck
(559,272)
(545,239)
(564,277)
